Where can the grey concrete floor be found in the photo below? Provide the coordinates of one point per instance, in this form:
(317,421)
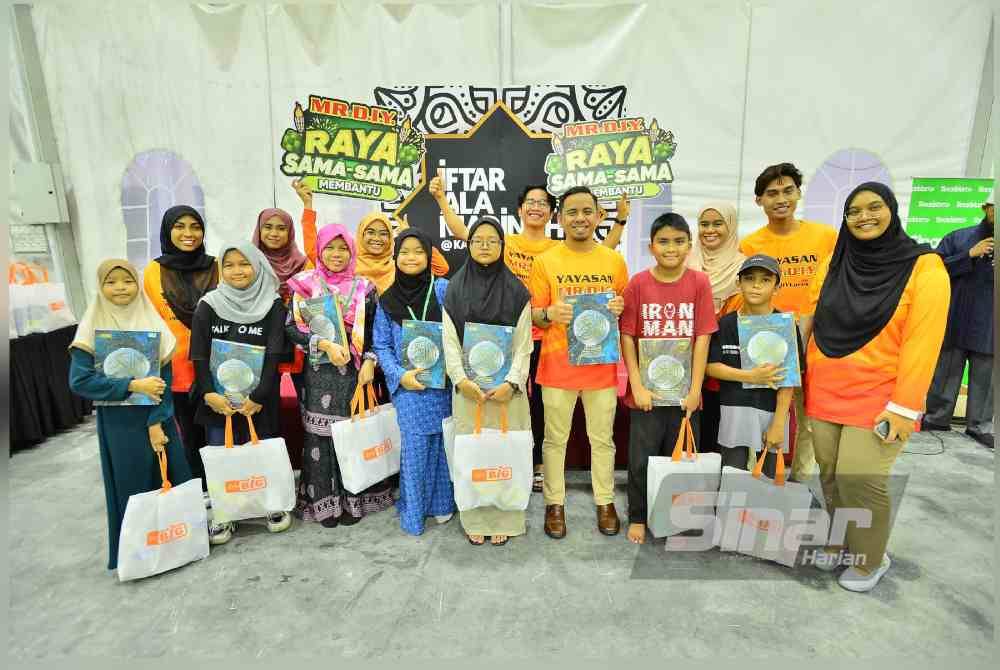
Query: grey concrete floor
(371,591)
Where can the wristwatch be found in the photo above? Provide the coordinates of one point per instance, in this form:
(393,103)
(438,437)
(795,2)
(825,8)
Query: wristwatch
(621,222)
(545,315)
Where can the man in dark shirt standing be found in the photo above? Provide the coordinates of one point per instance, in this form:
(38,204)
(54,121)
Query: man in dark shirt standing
(968,255)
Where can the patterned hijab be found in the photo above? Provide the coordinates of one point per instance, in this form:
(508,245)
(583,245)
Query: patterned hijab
(321,280)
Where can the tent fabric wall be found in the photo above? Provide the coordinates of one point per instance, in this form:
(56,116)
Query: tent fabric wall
(741,84)
(900,80)
(125,77)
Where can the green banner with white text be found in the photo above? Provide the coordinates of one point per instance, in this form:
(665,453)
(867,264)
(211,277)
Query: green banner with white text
(939,205)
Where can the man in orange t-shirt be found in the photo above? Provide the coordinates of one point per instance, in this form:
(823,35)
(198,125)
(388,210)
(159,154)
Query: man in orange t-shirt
(800,246)
(578,265)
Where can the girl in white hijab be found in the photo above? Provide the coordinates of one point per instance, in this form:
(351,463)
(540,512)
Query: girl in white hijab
(717,253)
(122,429)
(246,309)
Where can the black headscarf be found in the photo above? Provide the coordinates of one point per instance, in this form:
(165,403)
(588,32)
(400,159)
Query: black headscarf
(186,275)
(174,258)
(865,282)
(485,293)
(410,291)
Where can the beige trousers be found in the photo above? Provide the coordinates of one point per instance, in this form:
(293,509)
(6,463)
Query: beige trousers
(854,466)
(599,408)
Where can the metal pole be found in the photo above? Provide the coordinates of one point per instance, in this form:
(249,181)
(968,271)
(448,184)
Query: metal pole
(62,239)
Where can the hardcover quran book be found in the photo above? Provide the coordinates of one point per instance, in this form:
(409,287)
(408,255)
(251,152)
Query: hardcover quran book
(423,348)
(236,369)
(593,332)
(127,354)
(665,366)
(325,318)
(487,351)
(770,338)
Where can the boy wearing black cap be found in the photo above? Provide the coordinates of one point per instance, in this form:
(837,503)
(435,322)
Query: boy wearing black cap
(755,418)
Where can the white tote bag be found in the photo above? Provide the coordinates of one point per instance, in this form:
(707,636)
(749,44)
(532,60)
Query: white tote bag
(754,513)
(36,304)
(493,467)
(248,481)
(368,444)
(685,478)
(162,529)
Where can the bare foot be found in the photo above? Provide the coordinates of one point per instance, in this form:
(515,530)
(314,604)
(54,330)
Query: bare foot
(637,533)
(498,539)
(477,539)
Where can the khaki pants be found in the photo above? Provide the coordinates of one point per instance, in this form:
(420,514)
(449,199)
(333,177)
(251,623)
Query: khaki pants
(803,460)
(599,408)
(854,467)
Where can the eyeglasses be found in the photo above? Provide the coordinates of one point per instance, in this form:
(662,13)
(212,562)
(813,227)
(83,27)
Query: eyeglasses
(872,210)
(531,202)
(381,234)
(484,244)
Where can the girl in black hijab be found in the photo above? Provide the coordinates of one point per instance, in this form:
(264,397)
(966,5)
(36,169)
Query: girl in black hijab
(406,297)
(865,281)
(485,291)
(174,283)
(187,274)
(881,304)
(424,484)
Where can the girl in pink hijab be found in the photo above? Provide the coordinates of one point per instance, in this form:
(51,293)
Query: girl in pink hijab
(331,373)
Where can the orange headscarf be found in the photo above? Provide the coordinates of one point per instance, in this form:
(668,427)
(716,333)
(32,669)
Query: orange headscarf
(377,268)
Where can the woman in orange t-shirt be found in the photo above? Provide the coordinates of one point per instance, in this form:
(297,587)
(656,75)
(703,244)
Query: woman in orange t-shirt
(881,305)
(174,283)
(717,254)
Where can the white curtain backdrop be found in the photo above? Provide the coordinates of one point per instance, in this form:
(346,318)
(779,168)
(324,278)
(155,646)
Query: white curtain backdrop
(741,84)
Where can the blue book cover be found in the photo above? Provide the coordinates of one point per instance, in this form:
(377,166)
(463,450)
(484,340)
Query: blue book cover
(770,338)
(487,352)
(236,369)
(665,366)
(593,332)
(423,348)
(123,354)
(325,318)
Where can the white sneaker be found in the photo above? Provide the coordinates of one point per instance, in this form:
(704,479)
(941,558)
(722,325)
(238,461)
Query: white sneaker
(852,580)
(444,518)
(278,521)
(220,533)
(208,501)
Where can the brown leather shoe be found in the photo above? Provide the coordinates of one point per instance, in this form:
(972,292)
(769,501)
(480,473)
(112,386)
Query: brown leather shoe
(607,519)
(555,521)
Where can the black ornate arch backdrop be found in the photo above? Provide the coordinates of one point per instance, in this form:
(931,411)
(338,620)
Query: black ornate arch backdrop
(492,142)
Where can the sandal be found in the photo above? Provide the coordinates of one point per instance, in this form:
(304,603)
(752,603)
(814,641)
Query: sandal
(500,544)
(537,481)
(475,544)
